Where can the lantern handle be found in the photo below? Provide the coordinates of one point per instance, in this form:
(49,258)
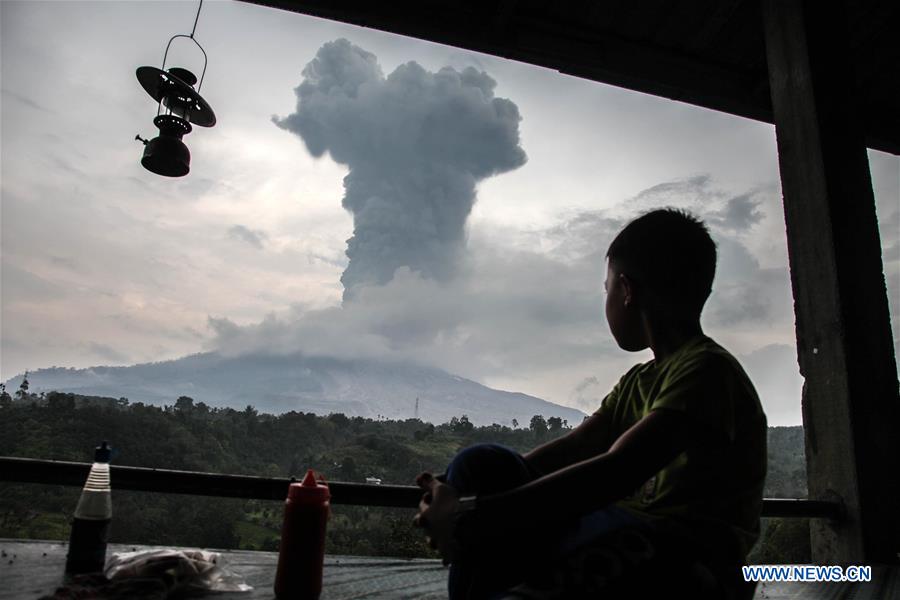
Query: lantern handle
(205,60)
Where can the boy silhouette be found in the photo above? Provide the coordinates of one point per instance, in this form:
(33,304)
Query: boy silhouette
(664,481)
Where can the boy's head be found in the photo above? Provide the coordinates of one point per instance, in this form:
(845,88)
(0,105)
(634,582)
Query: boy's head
(665,260)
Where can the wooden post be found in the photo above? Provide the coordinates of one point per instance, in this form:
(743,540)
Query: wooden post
(851,405)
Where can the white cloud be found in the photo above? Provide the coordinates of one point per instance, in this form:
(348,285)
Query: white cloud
(254,237)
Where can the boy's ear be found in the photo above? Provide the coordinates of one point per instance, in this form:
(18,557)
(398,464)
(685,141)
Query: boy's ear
(628,288)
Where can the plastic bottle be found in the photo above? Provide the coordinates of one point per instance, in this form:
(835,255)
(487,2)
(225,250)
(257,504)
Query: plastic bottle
(90,527)
(302,552)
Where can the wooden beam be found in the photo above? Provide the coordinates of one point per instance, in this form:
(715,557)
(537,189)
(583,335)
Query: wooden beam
(584,49)
(166,481)
(851,404)
(568,47)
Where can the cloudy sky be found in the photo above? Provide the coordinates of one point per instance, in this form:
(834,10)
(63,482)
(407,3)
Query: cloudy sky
(365,195)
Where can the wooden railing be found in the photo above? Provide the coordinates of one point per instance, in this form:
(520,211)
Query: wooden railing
(167,481)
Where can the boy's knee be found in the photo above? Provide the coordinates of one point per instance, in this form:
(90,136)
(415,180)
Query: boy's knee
(487,468)
(490,452)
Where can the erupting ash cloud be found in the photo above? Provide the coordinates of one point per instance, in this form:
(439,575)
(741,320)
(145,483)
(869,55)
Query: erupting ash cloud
(416,144)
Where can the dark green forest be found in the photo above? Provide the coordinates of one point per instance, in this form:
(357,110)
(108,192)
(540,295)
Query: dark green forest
(193,436)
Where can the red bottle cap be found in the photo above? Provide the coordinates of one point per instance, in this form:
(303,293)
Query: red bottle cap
(310,490)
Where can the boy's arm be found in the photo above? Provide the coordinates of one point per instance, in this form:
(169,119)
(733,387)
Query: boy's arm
(591,438)
(638,454)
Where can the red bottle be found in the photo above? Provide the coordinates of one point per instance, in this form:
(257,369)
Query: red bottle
(302,553)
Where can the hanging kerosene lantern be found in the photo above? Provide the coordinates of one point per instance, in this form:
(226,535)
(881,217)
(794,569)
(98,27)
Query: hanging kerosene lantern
(179,105)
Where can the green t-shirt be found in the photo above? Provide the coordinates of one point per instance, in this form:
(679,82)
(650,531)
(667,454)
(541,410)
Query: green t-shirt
(713,491)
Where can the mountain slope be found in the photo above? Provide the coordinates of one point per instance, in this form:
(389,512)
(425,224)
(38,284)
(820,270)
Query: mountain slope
(277,384)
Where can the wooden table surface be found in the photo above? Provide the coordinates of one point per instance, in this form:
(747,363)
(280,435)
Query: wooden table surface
(31,569)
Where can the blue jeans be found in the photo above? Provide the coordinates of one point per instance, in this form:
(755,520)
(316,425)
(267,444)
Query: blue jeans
(505,560)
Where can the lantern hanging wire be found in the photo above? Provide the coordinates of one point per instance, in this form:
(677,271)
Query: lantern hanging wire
(191,37)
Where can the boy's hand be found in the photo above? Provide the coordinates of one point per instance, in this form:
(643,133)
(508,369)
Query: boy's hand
(437,513)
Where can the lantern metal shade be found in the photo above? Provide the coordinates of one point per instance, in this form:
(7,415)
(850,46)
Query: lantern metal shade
(176,94)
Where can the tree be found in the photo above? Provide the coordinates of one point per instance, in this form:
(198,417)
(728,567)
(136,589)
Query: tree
(461,425)
(5,398)
(339,419)
(184,404)
(427,432)
(515,423)
(538,425)
(61,402)
(22,392)
(555,424)
(349,471)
